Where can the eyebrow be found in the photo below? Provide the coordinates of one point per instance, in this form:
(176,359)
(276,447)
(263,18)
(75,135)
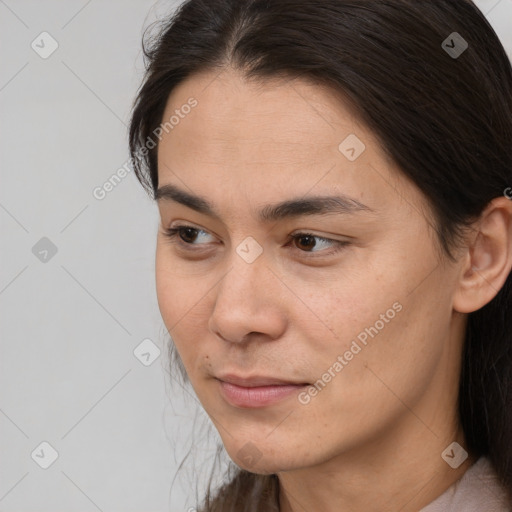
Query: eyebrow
(313,205)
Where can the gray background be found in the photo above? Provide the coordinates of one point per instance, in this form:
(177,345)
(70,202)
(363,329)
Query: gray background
(70,321)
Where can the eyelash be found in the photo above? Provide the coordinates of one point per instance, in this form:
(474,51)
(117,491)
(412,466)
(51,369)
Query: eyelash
(171,234)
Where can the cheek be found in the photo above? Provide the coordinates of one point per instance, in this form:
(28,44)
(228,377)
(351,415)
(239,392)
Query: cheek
(173,296)
(177,291)
(332,311)
(392,345)
(373,322)
(166,286)
(184,305)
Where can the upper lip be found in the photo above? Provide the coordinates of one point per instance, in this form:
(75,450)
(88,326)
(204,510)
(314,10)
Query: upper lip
(257,380)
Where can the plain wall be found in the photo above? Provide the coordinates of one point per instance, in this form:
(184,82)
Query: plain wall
(70,321)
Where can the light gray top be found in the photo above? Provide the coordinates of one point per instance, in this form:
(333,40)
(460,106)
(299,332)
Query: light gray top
(477,491)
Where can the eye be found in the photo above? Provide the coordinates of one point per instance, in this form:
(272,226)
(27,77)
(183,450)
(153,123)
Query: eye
(309,243)
(187,234)
(306,243)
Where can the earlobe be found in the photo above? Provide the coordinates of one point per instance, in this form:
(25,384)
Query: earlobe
(488,259)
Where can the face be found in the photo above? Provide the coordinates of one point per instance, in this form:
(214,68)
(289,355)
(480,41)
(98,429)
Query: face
(345,300)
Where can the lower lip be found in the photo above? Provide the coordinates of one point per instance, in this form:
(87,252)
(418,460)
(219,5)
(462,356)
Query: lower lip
(258,396)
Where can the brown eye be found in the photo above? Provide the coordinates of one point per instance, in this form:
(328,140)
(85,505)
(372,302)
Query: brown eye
(188,235)
(306,241)
(317,246)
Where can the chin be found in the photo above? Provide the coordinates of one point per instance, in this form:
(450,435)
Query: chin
(264,460)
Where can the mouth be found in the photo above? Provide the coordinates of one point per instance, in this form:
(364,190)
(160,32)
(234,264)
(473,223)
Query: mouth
(257,391)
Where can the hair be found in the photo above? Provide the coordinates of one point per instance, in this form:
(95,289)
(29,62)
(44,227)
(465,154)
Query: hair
(445,121)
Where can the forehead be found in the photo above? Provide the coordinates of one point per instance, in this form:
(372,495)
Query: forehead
(282,119)
(270,140)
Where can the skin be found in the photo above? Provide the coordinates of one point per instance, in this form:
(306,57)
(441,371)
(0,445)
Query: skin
(372,438)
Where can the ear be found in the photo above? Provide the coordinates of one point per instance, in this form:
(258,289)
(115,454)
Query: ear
(488,258)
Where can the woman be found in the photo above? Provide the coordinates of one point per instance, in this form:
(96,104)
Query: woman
(334,256)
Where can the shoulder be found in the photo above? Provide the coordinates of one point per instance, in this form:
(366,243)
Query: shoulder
(477,490)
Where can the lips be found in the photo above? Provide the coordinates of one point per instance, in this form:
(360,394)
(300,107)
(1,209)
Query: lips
(258,381)
(256,391)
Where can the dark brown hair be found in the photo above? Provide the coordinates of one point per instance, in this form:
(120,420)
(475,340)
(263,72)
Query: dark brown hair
(444,119)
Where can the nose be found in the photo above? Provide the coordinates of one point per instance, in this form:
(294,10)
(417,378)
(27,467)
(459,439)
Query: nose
(250,300)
